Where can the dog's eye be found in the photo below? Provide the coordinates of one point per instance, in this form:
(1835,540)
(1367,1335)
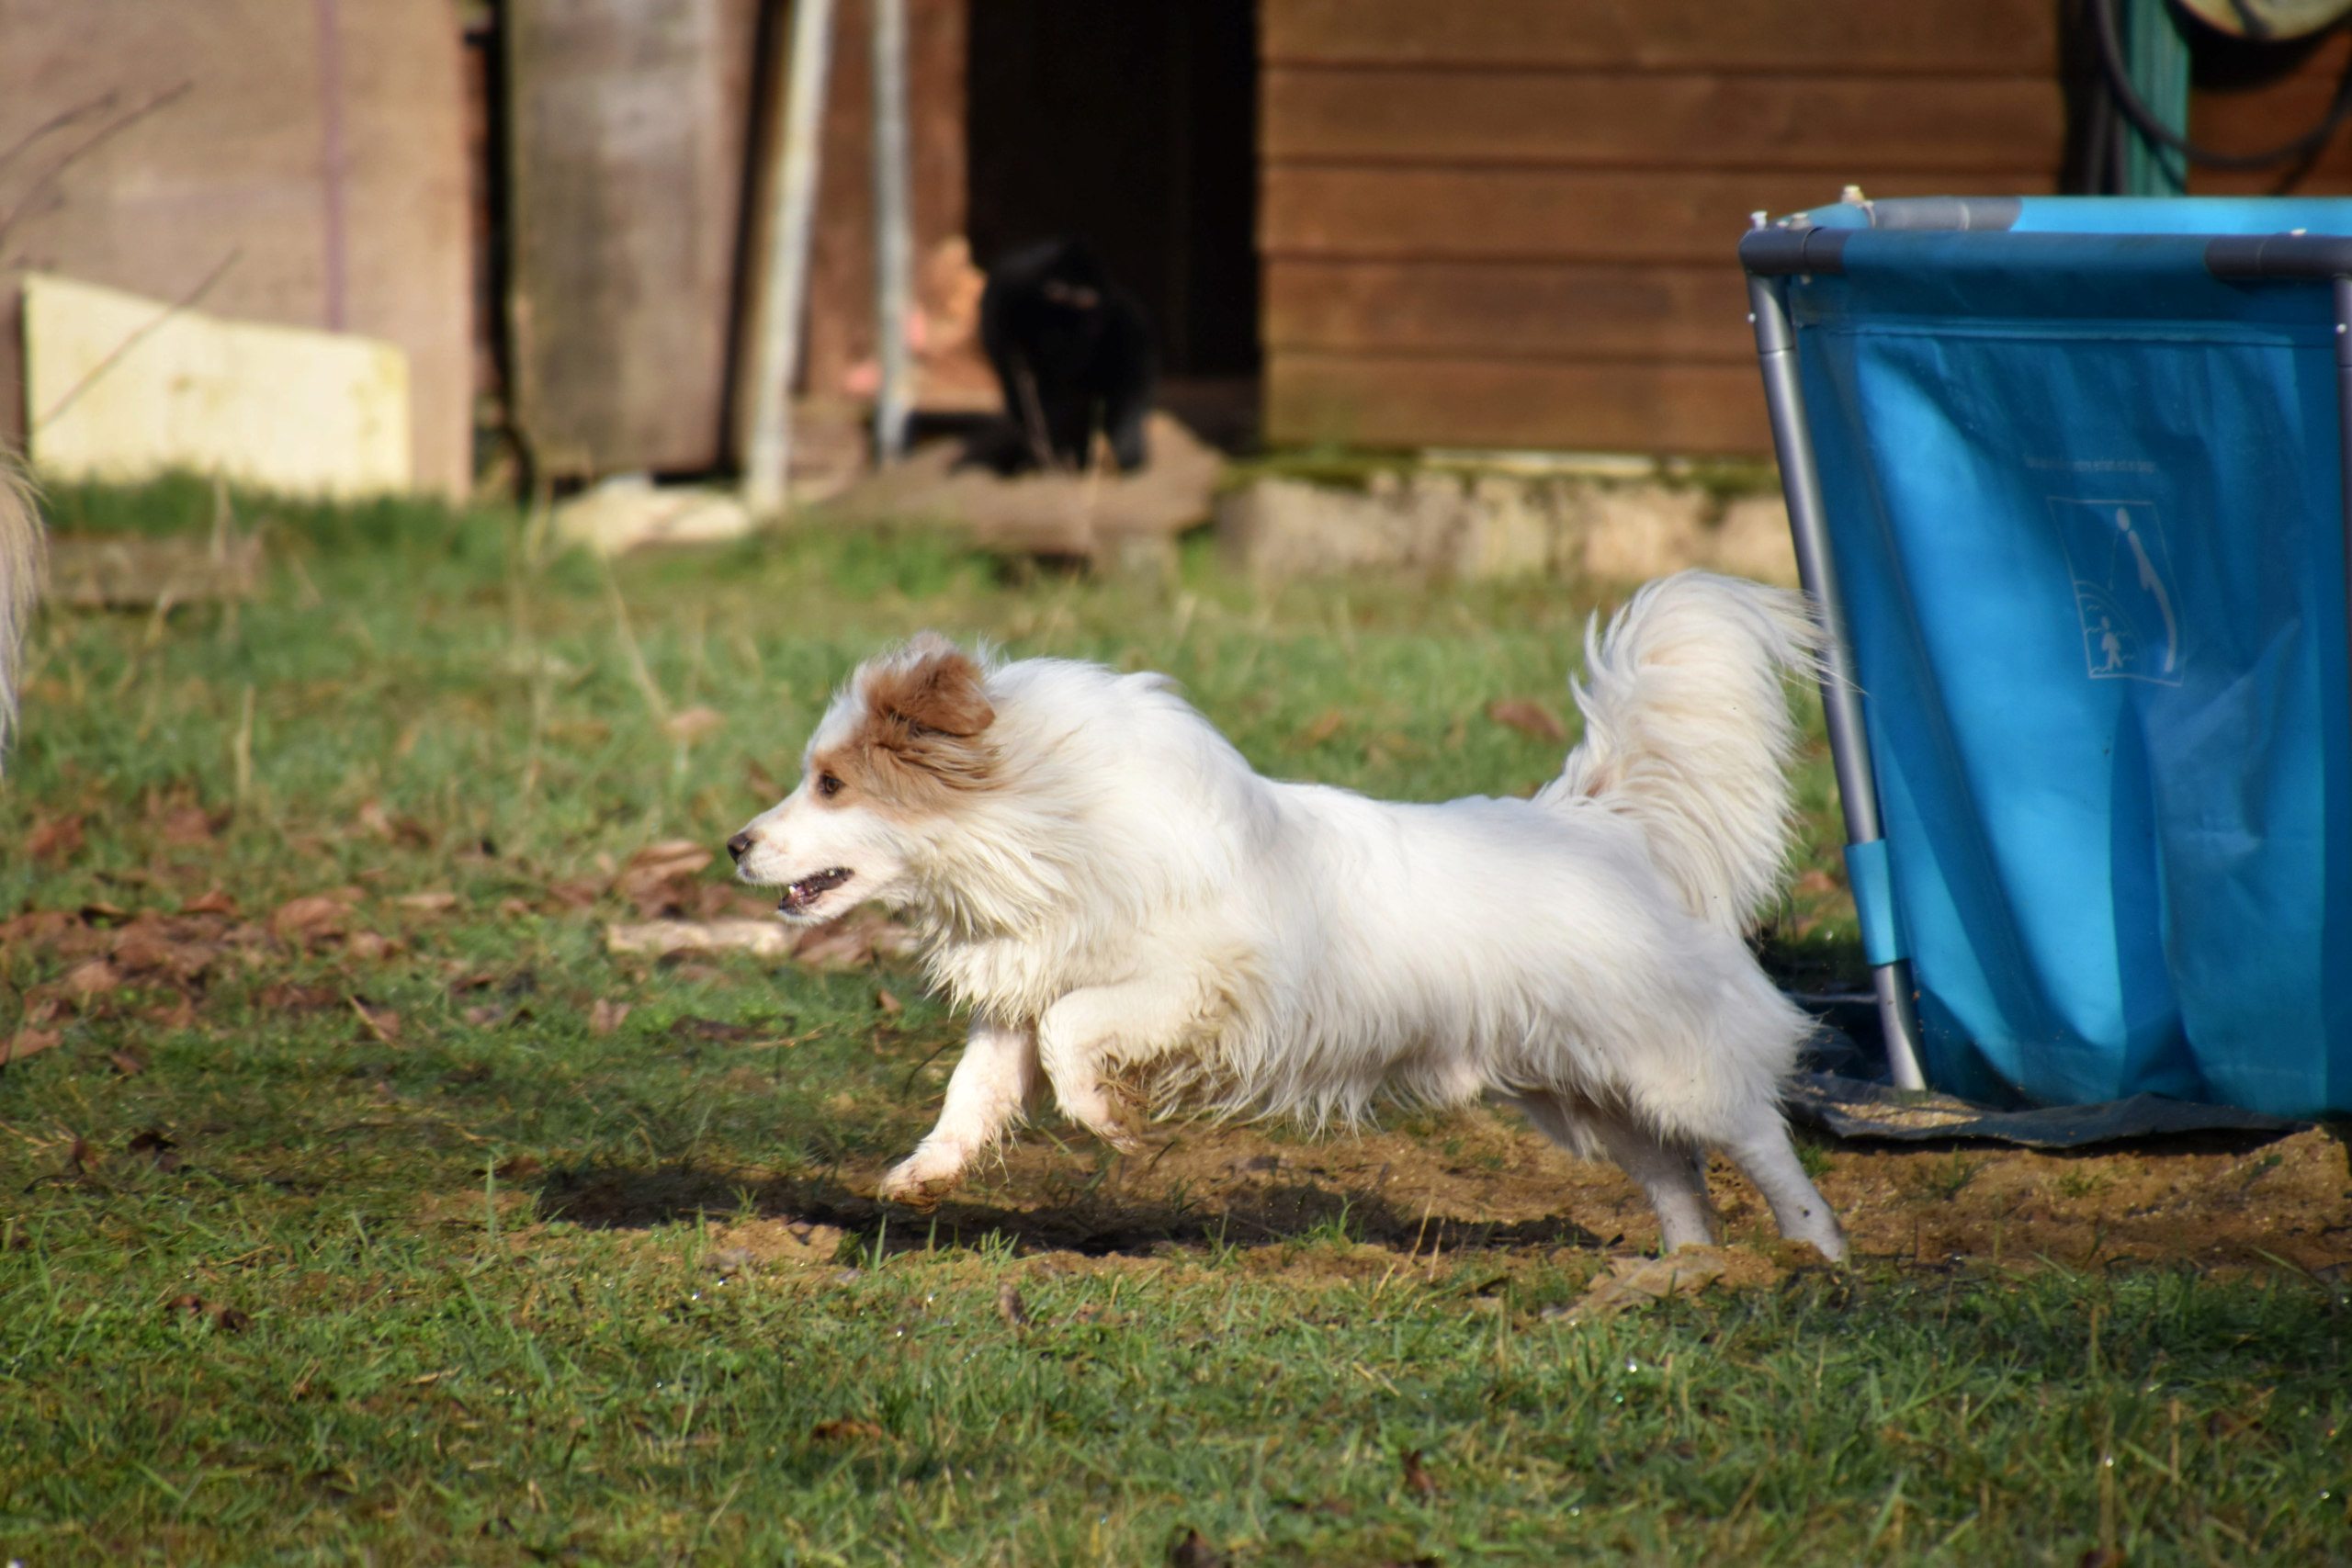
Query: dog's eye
(828,786)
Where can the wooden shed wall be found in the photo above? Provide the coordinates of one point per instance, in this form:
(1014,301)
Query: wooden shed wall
(1512,223)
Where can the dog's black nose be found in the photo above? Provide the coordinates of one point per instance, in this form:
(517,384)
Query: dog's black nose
(739,846)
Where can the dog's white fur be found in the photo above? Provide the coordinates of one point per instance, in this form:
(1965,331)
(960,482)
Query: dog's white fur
(21,564)
(1120,899)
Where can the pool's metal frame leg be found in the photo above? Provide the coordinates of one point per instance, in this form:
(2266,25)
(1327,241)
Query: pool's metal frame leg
(2342,286)
(1841,699)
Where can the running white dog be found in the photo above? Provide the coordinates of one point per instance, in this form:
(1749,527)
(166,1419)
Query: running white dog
(1134,914)
(21,564)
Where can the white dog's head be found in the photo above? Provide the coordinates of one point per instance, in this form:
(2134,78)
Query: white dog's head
(904,739)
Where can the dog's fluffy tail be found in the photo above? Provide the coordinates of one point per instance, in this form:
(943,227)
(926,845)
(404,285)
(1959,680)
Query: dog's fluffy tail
(1687,733)
(21,563)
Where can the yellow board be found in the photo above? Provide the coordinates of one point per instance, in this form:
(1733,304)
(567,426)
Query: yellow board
(119,387)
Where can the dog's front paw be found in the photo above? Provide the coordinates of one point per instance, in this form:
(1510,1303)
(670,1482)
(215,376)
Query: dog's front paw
(921,1180)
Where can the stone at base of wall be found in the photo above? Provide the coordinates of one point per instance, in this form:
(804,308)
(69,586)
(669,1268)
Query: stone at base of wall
(1485,527)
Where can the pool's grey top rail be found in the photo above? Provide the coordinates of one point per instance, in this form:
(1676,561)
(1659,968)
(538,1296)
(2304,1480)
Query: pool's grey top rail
(1803,245)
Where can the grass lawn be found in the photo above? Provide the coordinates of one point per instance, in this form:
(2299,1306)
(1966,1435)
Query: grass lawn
(357,1205)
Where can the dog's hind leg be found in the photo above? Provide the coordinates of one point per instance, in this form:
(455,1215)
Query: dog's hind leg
(1764,1152)
(991,1086)
(1674,1178)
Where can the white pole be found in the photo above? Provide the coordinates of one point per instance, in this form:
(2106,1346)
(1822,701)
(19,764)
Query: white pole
(893,242)
(784,290)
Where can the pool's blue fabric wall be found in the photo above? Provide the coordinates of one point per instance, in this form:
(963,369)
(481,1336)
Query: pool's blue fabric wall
(2085,508)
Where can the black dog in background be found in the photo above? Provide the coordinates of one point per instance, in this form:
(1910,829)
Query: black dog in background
(1073,351)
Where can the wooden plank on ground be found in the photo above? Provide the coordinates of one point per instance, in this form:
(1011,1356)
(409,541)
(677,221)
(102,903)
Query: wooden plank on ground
(1623,406)
(1679,311)
(1921,36)
(629,120)
(1563,214)
(1674,120)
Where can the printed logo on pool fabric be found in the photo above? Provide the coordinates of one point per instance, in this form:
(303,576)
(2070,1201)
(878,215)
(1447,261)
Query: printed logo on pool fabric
(2123,589)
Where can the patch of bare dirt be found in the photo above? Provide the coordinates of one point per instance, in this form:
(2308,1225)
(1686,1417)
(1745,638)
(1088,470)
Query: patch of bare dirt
(2210,1200)
(1480,1180)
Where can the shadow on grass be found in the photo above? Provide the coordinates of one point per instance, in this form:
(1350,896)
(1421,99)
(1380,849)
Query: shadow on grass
(1095,1222)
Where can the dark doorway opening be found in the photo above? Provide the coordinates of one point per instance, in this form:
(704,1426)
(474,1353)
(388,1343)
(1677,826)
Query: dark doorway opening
(1134,125)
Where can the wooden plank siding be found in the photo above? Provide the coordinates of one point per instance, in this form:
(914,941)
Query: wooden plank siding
(1512,223)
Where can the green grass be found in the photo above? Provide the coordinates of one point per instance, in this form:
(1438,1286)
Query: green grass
(395,1353)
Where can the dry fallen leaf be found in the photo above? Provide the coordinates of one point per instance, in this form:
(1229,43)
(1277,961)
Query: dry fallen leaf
(693,724)
(1322,728)
(575,894)
(36,928)
(1637,1281)
(522,1167)
(1192,1551)
(888,1003)
(1816,881)
(309,921)
(129,1064)
(216,902)
(156,1147)
(1528,719)
(657,877)
(284,995)
(843,1431)
(692,1028)
(485,1016)
(1009,1305)
(191,824)
(27,1042)
(55,838)
(851,944)
(1418,1480)
(381,1022)
(94,978)
(435,903)
(605,1018)
(226,1318)
(367,946)
(177,946)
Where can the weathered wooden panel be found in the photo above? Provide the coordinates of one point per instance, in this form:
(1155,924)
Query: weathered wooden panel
(629,121)
(1400,400)
(1677,119)
(1909,37)
(1602,215)
(190,154)
(1596,310)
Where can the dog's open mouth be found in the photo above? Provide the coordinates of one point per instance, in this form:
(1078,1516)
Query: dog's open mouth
(809,889)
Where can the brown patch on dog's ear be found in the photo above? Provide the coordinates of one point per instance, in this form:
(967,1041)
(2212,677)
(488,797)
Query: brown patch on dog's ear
(932,686)
(926,717)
